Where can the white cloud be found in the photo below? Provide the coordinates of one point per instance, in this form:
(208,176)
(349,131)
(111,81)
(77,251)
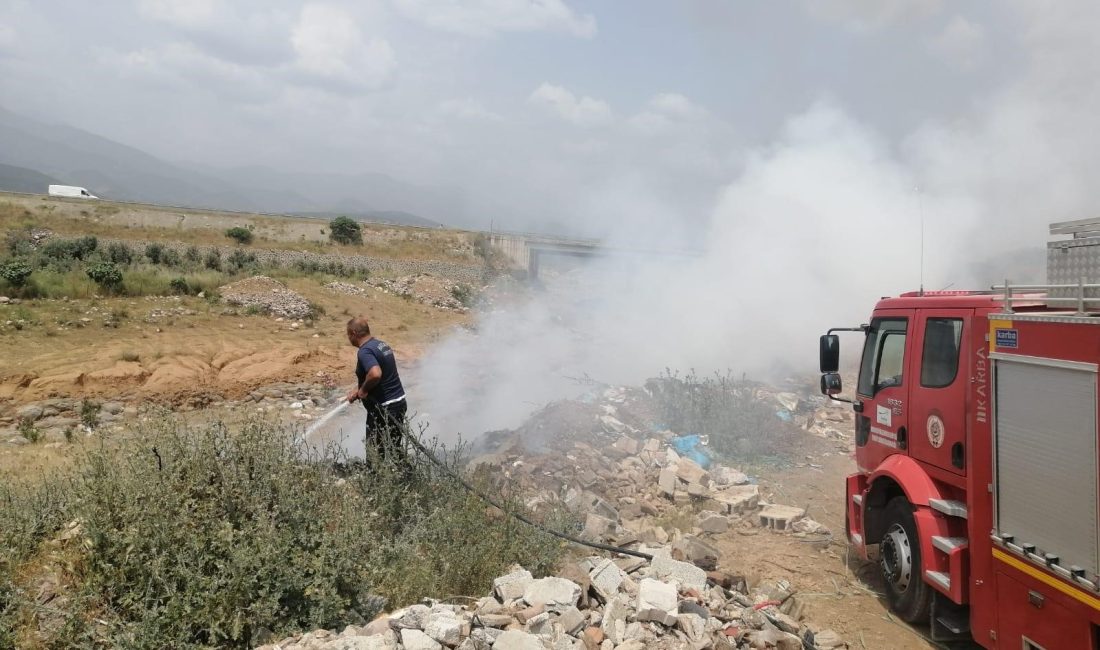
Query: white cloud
(665,111)
(873,14)
(184,13)
(961,43)
(489,17)
(467,109)
(582,111)
(331,49)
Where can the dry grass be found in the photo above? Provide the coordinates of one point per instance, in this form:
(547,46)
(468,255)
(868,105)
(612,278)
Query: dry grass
(123,221)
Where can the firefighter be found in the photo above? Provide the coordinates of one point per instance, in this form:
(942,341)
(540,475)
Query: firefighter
(378,387)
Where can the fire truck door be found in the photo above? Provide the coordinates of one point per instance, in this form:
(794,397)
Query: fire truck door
(941,377)
(884,380)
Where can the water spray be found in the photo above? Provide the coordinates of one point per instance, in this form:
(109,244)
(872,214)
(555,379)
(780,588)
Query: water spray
(325,419)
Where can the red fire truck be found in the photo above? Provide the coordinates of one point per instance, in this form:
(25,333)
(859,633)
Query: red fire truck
(977,453)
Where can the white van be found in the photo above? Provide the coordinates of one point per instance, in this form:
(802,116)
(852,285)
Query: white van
(72,191)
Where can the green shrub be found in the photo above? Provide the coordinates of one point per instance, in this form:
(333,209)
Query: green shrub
(29,431)
(120,254)
(154,251)
(239,260)
(70,249)
(192,254)
(203,537)
(343,230)
(106,275)
(89,413)
(50,283)
(15,272)
(170,257)
(213,260)
(240,235)
(179,286)
(19,242)
(740,426)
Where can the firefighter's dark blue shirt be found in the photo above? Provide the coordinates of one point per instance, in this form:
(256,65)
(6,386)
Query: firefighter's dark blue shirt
(377,353)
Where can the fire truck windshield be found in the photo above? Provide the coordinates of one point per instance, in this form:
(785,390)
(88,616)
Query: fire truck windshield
(883,355)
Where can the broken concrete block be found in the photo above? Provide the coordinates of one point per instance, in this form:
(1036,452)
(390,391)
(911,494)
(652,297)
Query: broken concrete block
(517,640)
(513,585)
(614,620)
(606,578)
(809,527)
(572,620)
(598,526)
(689,472)
(417,640)
(557,594)
(696,490)
(657,602)
(627,445)
(738,499)
(777,517)
(712,522)
(444,627)
(692,625)
(687,576)
(723,475)
(666,481)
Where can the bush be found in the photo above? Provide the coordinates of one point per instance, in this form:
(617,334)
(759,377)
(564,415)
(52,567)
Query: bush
(213,260)
(192,254)
(106,275)
(240,235)
(463,294)
(239,259)
(740,426)
(89,413)
(179,286)
(15,272)
(120,254)
(343,230)
(170,257)
(154,252)
(70,249)
(205,537)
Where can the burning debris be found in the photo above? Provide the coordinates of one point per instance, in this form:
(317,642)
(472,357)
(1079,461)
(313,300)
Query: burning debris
(629,487)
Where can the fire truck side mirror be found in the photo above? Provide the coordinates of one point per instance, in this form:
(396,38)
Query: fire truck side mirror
(830,353)
(831,384)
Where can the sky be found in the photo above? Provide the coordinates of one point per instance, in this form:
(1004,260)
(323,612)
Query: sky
(574,115)
(814,155)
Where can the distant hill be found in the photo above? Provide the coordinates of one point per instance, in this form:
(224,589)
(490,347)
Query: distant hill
(380,216)
(111,170)
(21,179)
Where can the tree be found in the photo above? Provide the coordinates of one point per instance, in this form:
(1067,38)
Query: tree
(241,235)
(343,230)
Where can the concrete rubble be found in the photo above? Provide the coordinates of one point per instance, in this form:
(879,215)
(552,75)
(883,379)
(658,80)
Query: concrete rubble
(624,485)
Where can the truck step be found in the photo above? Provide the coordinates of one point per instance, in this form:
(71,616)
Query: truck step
(955,622)
(949,507)
(948,544)
(939,578)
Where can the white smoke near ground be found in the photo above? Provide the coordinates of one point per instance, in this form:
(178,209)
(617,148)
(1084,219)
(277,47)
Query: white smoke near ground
(815,228)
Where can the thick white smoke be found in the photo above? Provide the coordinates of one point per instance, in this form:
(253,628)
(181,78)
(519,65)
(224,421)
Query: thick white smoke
(815,228)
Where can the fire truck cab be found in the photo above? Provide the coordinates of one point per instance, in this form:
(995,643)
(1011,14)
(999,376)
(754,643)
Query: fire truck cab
(977,452)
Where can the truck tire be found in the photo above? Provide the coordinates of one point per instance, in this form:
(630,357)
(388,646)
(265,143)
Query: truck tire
(909,596)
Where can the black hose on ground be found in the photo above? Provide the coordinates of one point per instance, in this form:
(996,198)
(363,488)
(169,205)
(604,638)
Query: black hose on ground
(515,515)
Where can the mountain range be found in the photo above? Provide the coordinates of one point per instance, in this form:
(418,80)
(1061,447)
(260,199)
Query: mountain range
(34,154)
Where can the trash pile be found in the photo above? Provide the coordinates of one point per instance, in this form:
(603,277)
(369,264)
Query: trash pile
(631,488)
(428,289)
(266,295)
(596,603)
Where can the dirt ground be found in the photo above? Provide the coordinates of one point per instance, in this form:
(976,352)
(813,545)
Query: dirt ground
(168,349)
(841,591)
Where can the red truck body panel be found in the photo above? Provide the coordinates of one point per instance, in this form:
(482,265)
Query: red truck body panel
(931,439)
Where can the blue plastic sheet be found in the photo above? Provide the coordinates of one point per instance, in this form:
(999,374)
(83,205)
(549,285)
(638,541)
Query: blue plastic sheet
(691,446)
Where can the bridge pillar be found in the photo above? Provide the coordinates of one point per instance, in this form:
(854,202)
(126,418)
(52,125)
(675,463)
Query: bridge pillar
(532,264)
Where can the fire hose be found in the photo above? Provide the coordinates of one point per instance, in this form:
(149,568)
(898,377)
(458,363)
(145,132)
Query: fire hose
(481,495)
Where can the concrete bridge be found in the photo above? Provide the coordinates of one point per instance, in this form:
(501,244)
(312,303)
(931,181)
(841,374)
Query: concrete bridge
(524,250)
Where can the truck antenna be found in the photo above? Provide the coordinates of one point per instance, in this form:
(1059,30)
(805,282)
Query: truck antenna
(920,208)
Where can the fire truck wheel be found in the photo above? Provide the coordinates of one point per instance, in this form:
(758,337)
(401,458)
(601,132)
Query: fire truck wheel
(900,563)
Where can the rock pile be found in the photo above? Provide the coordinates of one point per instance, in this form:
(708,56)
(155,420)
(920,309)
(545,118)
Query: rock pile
(268,295)
(595,604)
(428,289)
